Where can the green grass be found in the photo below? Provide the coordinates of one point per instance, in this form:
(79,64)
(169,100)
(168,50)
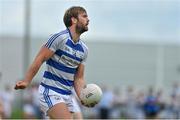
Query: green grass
(17,114)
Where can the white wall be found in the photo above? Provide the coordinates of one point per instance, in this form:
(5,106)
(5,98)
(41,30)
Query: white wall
(123,64)
(0,60)
(111,63)
(11,60)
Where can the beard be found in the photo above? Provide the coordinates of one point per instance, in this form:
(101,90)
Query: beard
(80,28)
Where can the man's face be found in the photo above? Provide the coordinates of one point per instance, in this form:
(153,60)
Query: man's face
(82,23)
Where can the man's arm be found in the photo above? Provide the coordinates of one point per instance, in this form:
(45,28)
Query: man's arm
(43,55)
(79,81)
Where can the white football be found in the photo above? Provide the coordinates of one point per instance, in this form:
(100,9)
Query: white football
(91,95)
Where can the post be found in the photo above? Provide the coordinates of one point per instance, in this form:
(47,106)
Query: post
(27,25)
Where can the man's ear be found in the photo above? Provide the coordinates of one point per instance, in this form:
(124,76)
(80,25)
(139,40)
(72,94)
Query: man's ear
(74,20)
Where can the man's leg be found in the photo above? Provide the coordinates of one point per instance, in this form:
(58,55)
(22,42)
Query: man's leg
(59,111)
(77,115)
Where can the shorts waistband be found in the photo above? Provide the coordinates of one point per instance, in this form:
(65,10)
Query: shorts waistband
(64,92)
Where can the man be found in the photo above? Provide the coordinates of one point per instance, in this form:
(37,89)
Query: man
(7,98)
(65,55)
(1,110)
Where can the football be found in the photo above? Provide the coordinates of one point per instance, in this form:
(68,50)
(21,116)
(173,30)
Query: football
(91,95)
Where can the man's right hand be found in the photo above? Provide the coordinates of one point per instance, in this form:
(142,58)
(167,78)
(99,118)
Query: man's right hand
(90,106)
(21,84)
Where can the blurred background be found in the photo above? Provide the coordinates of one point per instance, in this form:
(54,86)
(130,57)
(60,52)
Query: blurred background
(134,55)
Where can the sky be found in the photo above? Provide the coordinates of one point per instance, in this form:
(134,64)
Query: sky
(110,20)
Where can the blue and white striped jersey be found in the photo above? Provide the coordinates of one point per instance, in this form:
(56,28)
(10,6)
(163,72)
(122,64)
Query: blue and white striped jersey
(62,66)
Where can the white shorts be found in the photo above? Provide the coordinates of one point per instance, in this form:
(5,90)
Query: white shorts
(76,104)
(48,98)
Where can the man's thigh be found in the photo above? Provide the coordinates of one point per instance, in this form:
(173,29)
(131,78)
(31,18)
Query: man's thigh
(59,111)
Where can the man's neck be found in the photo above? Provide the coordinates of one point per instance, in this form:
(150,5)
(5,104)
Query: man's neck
(75,36)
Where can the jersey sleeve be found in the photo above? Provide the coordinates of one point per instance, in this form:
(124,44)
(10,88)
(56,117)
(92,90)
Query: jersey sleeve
(85,57)
(53,42)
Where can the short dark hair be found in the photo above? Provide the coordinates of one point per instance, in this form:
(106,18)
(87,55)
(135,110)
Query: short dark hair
(72,12)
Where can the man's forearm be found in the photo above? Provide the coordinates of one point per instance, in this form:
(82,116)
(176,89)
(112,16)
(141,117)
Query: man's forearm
(78,85)
(32,71)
